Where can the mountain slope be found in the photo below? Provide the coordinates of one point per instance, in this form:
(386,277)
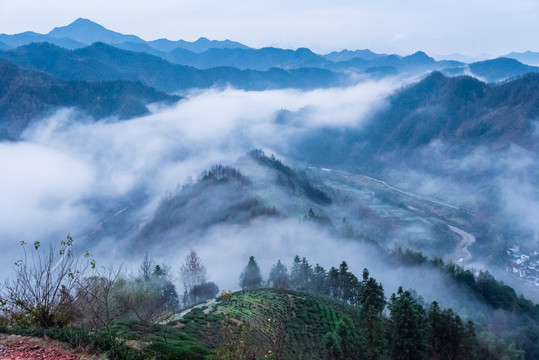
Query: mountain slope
(225,195)
(39,94)
(462,111)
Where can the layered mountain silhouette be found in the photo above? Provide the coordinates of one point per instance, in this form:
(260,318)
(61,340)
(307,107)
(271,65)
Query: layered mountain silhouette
(26,95)
(104,62)
(84,32)
(206,54)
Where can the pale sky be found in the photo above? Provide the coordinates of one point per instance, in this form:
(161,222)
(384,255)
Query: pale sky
(471,27)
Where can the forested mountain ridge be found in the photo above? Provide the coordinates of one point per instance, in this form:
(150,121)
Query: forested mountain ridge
(26,95)
(225,195)
(307,311)
(461,111)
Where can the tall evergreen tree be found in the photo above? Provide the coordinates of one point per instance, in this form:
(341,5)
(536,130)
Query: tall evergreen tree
(320,280)
(305,275)
(250,278)
(449,338)
(295,273)
(348,284)
(279,278)
(371,293)
(372,300)
(333,280)
(409,327)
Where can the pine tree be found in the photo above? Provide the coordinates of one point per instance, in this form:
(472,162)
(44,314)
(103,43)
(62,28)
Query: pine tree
(320,280)
(250,278)
(334,286)
(449,337)
(409,327)
(371,293)
(305,275)
(372,300)
(295,273)
(348,284)
(279,278)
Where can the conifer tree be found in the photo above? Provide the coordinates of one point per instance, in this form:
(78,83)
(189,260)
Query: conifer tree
(279,278)
(320,280)
(371,293)
(372,300)
(295,273)
(250,278)
(305,275)
(409,327)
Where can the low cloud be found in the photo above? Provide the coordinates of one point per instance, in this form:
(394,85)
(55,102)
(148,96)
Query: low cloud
(66,161)
(40,189)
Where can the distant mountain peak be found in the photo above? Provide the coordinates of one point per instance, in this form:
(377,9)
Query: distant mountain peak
(81,24)
(304,50)
(420,54)
(88,32)
(84,21)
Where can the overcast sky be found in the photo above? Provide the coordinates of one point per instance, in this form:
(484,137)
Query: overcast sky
(470,27)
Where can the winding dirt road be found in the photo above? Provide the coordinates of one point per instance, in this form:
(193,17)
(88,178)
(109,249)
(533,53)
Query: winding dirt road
(32,348)
(461,253)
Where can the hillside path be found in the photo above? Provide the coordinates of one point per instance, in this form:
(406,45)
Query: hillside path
(32,348)
(461,253)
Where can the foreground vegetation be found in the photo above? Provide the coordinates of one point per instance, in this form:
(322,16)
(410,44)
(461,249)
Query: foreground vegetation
(307,313)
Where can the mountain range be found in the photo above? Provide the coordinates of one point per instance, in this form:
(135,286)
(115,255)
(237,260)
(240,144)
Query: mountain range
(206,54)
(84,32)
(101,61)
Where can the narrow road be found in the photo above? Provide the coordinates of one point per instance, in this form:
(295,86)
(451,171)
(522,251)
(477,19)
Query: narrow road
(392,187)
(13,347)
(461,253)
